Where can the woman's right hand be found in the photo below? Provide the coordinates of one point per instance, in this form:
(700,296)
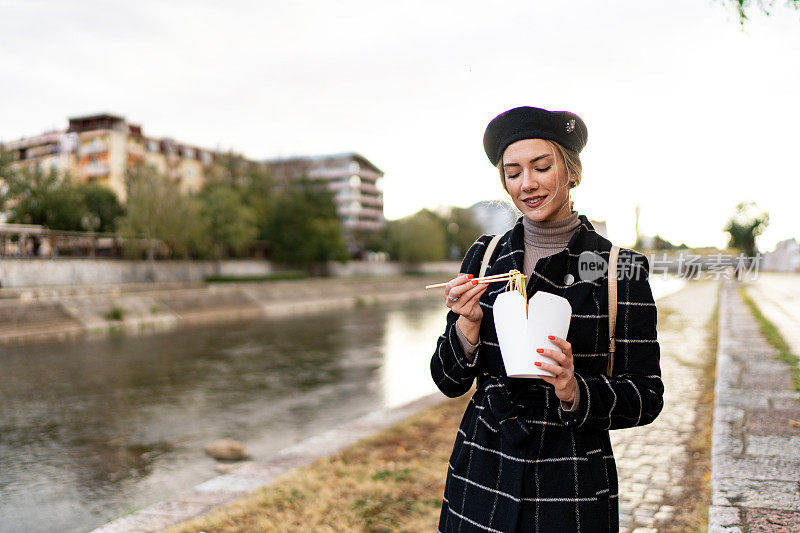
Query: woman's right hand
(462,295)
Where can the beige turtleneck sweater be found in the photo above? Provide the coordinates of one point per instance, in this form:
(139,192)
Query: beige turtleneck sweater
(541,240)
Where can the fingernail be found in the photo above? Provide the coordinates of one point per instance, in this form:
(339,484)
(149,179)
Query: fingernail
(540,350)
(470,276)
(537,363)
(474,281)
(551,337)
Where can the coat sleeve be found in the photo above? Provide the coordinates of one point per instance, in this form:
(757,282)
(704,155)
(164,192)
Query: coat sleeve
(451,370)
(634,394)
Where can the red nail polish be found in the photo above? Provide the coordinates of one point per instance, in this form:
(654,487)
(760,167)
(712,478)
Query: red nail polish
(537,363)
(551,337)
(474,281)
(470,276)
(540,350)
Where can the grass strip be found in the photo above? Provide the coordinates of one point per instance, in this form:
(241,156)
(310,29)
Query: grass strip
(392,481)
(774,338)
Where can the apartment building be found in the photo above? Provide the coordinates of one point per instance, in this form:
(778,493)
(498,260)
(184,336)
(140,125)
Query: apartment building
(100,148)
(356,186)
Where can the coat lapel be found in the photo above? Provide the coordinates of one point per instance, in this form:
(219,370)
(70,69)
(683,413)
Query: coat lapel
(558,273)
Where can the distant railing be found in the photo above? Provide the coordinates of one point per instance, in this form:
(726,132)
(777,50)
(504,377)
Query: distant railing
(27,241)
(32,241)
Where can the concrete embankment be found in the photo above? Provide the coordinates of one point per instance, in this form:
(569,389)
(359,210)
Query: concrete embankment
(48,314)
(755,465)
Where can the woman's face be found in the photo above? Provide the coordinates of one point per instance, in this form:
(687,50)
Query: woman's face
(536,179)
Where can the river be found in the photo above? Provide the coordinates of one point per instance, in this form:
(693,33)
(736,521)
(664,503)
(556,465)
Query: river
(95,429)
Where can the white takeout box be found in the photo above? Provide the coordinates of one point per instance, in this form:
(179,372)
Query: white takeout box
(519,335)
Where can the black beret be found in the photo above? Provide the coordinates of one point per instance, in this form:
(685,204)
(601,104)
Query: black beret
(563,127)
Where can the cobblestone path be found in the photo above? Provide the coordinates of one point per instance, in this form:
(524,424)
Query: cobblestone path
(651,459)
(755,460)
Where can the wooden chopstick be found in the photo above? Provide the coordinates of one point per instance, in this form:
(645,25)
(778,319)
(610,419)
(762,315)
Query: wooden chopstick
(491,279)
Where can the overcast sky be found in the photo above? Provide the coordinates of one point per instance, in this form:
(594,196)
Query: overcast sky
(687,113)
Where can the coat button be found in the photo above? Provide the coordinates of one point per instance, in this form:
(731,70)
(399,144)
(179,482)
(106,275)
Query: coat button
(569,279)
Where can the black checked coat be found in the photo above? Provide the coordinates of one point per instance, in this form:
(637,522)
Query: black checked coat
(520,462)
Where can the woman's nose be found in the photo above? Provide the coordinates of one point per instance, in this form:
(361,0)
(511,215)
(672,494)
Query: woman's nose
(529,182)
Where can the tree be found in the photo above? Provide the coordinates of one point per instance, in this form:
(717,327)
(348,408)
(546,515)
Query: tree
(251,180)
(304,227)
(747,223)
(231,224)
(6,175)
(462,231)
(103,203)
(418,237)
(33,196)
(742,6)
(158,213)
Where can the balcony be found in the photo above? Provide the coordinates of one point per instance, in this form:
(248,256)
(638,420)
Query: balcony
(372,201)
(93,148)
(362,212)
(368,225)
(369,174)
(136,150)
(95,170)
(369,189)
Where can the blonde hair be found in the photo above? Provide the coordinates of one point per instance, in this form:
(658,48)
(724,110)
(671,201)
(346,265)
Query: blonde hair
(571,159)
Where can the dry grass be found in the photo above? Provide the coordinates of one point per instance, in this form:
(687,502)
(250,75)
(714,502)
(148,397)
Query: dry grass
(692,505)
(393,481)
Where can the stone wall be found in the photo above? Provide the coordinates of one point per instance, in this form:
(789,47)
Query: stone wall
(76,272)
(39,272)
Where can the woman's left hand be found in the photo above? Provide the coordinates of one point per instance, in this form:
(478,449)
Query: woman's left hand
(564,380)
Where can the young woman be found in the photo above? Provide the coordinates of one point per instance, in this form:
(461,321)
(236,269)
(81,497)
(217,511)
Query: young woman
(533,454)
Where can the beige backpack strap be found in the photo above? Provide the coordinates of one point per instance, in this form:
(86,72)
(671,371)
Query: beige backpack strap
(612,306)
(487,254)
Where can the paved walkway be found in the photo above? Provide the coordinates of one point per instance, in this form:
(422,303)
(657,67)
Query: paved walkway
(756,449)
(652,460)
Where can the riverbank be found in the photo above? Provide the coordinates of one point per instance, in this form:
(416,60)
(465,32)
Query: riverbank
(55,314)
(394,480)
(391,480)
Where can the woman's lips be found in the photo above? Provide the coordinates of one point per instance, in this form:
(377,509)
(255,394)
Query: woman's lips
(534,202)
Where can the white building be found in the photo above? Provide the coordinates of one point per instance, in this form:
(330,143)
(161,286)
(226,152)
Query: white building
(785,257)
(356,185)
(494,216)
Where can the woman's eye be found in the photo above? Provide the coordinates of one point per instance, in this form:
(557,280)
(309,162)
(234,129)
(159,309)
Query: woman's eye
(543,169)
(510,176)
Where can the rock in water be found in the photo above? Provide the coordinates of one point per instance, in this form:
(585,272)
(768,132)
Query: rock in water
(226,449)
